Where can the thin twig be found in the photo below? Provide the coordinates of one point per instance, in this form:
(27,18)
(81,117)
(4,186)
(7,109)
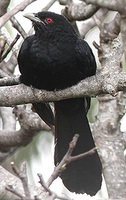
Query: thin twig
(43,184)
(52,194)
(10,47)
(80,156)
(98,47)
(23,177)
(9,39)
(51,2)
(12,190)
(18,27)
(23,167)
(67,159)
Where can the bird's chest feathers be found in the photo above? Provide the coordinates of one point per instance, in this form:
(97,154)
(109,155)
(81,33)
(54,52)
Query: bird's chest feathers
(53,54)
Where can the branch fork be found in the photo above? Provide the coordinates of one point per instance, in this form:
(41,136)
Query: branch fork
(21,174)
(68,159)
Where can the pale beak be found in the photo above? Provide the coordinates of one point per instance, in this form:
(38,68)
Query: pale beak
(32,17)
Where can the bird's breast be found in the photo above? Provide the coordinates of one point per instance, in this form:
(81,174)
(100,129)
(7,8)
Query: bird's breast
(53,66)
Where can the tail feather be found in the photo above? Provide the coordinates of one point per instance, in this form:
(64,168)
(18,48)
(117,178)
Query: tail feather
(81,176)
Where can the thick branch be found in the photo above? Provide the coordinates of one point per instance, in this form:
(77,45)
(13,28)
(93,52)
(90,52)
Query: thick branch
(107,126)
(92,86)
(109,80)
(110,31)
(123,32)
(80,11)
(3,6)
(111,5)
(7,178)
(8,119)
(88,25)
(30,125)
(110,141)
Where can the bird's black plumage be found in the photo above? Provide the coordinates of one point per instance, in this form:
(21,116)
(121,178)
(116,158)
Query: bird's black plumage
(55,58)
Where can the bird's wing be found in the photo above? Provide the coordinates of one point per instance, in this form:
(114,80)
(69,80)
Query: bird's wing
(85,58)
(44,110)
(24,56)
(25,62)
(86,63)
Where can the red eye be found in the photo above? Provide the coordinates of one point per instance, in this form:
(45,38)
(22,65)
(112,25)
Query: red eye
(49,20)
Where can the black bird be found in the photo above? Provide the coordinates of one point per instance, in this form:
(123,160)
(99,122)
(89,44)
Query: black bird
(55,58)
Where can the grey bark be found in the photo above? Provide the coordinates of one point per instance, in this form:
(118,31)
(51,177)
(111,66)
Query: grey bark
(110,142)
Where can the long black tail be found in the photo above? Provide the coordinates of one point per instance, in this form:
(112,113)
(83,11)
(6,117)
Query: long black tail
(81,176)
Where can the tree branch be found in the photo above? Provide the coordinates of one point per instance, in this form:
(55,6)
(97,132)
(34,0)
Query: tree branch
(9,179)
(92,86)
(68,159)
(3,6)
(111,5)
(18,27)
(109,31)
(8,118)
(21,174)
(108,137)
(110,141)
(16,9)
(79,11)
(51,2)
(109,79)
(8,80)
(88,25)
(30,123)
(9,48)
(52,194)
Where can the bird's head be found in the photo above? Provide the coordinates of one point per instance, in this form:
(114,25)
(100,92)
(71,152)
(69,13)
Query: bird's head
(49,22)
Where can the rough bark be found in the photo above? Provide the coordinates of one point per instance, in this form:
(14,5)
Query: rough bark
(110,142)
